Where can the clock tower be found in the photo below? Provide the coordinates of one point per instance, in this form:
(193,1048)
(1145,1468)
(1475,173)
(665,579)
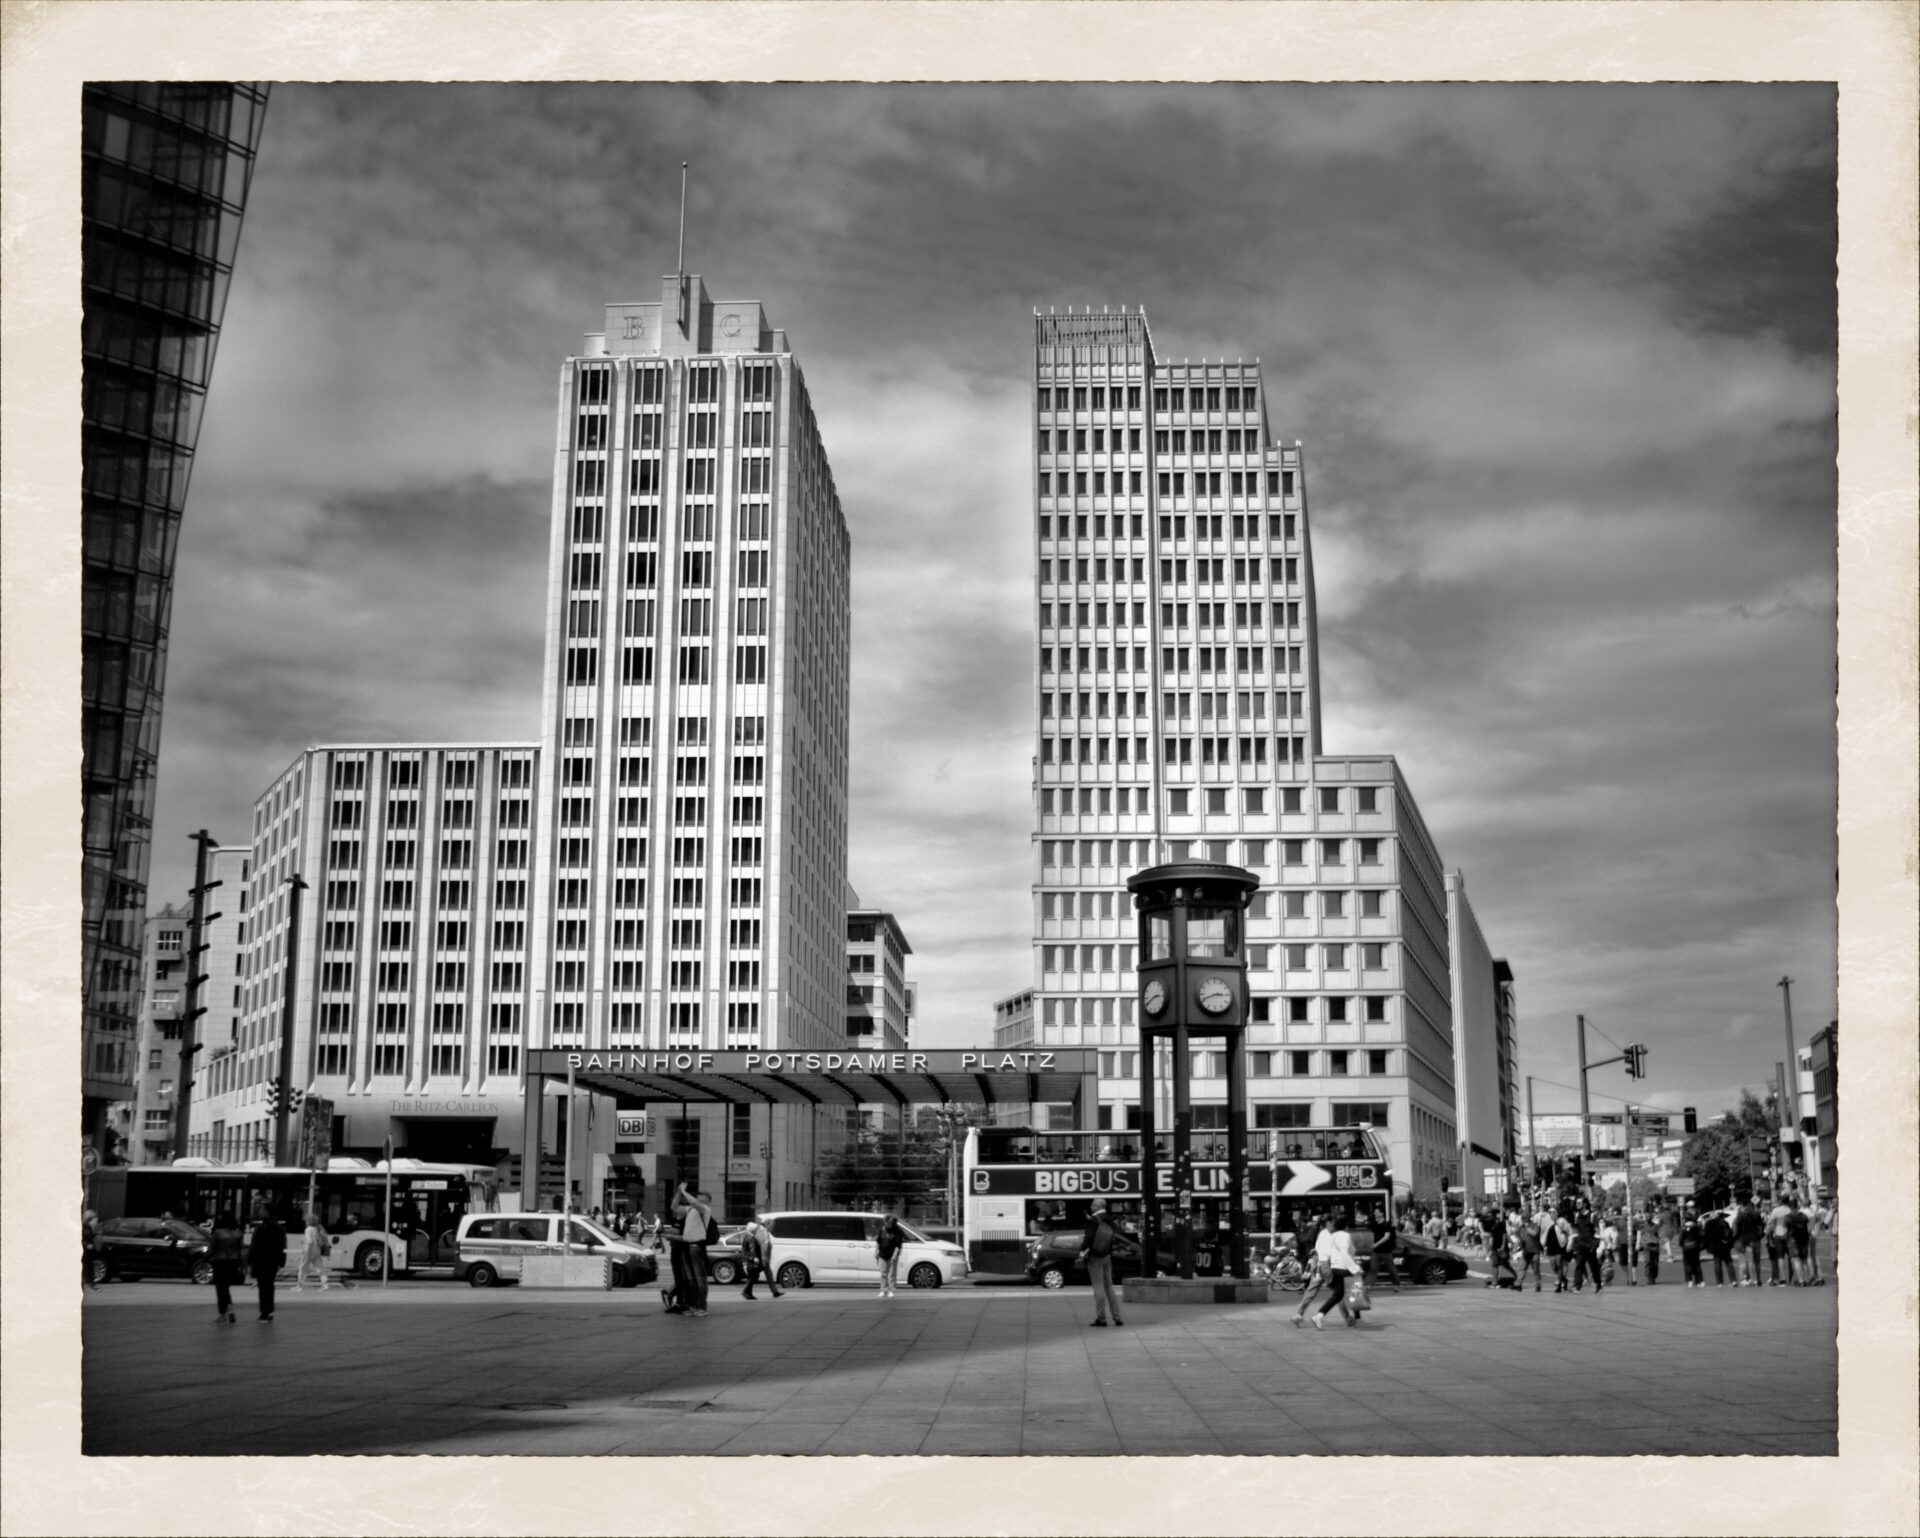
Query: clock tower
(1193,983)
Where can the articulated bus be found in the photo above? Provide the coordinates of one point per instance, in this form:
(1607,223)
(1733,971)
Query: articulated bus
(428,1203)
(1021,1183)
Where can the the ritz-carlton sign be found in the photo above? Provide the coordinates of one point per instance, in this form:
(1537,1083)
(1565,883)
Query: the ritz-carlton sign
(816,1062)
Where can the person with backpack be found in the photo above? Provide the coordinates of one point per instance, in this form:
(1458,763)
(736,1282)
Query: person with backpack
(886,1251)
(1717,1234)
(1693,1239)
(1559,1237)
(1800,1236)
(1096,1249)
(756,1256)
(1748,1229)
(1529,1253)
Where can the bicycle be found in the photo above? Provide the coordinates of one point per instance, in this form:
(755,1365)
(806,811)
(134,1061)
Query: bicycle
(1284,1273)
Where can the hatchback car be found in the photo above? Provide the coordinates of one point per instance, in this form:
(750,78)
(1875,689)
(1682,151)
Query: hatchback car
(130,1248)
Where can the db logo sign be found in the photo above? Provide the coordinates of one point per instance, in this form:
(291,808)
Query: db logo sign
(981,1181)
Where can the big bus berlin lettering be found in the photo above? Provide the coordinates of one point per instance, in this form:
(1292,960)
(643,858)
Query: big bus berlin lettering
(1020,1184)
(350,1196)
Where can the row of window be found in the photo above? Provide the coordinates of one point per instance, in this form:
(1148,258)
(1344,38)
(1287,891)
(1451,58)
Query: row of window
(455,773)
(1267,1065)
(1165,398)
(396,894)
(1178,752)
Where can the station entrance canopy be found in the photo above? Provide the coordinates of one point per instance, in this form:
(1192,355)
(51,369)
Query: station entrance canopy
(843,1077)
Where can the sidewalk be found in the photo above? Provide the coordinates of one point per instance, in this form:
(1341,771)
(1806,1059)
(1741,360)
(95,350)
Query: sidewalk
(971,1370)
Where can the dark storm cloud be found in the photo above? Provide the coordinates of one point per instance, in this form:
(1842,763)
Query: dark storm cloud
(1560,357)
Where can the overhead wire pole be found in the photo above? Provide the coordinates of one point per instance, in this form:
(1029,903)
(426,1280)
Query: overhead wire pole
(283,1084)
(193,1008)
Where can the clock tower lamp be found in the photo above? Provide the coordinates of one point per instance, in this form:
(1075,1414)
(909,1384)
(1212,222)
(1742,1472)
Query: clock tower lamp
(1193,983)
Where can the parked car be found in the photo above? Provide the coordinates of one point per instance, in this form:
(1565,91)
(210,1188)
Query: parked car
(1419,1261)
(1053,1260)
(810,1247)
(130,1248)
(491,1246)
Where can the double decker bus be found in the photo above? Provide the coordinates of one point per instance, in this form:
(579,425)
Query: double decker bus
(351,1196)
(1021,1183)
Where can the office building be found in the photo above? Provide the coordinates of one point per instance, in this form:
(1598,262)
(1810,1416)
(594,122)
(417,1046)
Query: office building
(164,175)
(690,874)
(1824,1054)
(1507,1004)
(412,967)
(1178,717)
(1013,1020)
(879,996)
(1480,1073)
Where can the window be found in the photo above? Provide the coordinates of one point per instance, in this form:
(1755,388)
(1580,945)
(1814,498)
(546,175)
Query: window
(1329,799)
(1333,851)
(1376,1060)
(1360,1113)
(1337,1063)
(1373,956)
(1372,904)
(1369,798)
(1255,803)
(1297,1010)
(1333,904)
(1300,1064)
(1369,851)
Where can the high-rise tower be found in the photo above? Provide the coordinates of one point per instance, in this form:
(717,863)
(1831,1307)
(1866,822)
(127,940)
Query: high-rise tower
(1178,716)
(690,877)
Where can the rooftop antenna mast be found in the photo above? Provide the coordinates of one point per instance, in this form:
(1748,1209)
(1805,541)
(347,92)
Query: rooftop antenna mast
(682,265)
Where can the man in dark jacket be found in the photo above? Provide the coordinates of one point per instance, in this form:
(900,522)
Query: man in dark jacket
(1717,1233)
(1386,1246)
(1096,1249)
(266,1254)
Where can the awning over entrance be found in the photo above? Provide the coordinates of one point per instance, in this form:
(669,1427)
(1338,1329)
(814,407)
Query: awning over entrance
(851,1077)
(975,1076)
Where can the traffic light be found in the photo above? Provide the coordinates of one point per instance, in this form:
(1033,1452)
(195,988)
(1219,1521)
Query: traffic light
(1692,1119)
(273,1097)
(1573,1170)
(1636,1056)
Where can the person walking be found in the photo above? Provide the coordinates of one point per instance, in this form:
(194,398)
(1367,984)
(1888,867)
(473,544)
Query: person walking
(687,1244)
(1648,1237)
(1748,1228)
(1692,1237)
(1316,1280)
(1560,1247)
(315,1245)
(266,1254)
(226,1253)
(1586,1260)
(1498,1256)
(1779,1263)
(1529,1253)
(1386,1249)
(1096,1249)
(1335,1250)
(886,1253)
(1717,1233)
(756,1255)
(1800,1237)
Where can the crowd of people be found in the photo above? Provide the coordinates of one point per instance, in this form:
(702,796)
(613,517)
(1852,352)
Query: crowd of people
(1580,1243)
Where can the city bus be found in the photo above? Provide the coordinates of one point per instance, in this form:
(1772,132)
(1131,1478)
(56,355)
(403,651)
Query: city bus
(351,1195)
(1021,1183)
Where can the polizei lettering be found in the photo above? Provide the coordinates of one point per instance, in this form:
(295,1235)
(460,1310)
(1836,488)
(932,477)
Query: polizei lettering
(1006,1062)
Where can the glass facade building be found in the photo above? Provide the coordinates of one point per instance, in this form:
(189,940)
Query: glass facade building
(165,172)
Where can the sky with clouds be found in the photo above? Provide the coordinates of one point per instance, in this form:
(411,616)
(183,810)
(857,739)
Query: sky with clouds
(1561,359)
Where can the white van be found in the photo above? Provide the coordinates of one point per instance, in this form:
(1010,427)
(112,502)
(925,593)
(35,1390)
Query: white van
(491,1245)
(810,1247)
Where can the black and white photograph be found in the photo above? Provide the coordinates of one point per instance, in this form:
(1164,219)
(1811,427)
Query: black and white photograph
(954,770)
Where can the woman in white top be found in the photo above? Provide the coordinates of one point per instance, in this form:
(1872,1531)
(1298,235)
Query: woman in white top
(1334,1252)
(313,1255)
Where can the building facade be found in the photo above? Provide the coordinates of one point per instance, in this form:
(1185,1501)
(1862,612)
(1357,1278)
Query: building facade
(690,874)
(412,967)
(164,175)
(163,1011)
(1824,1051)
(879,996)
(1480,1107)
(1178,717)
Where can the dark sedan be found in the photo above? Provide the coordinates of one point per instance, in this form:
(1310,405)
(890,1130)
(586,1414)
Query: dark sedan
(1053,1260)
(131,1248)
(1419,1261)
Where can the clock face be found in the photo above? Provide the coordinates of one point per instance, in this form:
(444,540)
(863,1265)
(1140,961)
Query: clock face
(1155,996)
(1216,995)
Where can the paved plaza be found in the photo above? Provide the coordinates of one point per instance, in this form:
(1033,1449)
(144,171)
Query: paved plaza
(987,1369)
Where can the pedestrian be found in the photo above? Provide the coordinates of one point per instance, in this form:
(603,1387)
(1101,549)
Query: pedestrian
(1607,1246)
(226,1253)
(1529,1253)
(266,1254)
(756,1255)
(1498,1256)
(316,1244)
(886,1253)
(1649,1239)
(1800,1236)
(686,1239)
(1669,1230)
(1386,1249)
(1436,1230)
(89,1246)
(1717,1233)
(1096,1249)
(1335,1249)
(1560,1247)
(1779,1260)
(1692,1235)
(1316,1279)
(1748,1227)
(1584,1250)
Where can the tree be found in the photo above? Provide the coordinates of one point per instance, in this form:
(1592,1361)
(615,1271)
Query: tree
(1715,1157)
